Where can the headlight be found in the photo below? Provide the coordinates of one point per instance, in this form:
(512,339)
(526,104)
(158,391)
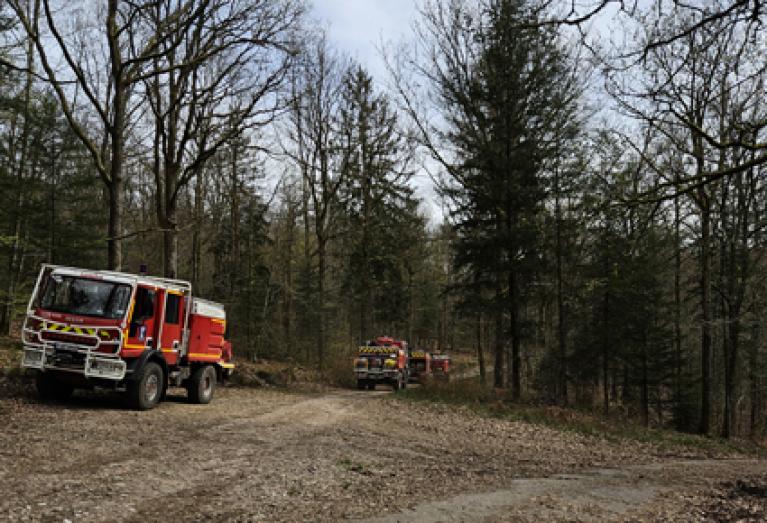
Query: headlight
(390,364)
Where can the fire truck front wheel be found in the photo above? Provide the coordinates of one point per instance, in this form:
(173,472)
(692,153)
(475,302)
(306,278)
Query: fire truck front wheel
(146,390)
(397,383)
(201,385)
(50,388)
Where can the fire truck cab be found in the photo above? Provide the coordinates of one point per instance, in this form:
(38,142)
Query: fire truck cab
(132,333)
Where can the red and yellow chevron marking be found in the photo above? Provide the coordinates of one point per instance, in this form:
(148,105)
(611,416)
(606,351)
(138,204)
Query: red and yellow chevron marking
(82,331)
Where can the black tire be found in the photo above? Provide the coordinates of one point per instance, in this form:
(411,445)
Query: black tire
(50,388)
(362,384)
(397,383)
(201,385)
(371,385)
(146,390)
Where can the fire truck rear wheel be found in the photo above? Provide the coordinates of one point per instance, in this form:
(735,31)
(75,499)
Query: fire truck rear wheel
(201,385)
(50,388)
(146,390)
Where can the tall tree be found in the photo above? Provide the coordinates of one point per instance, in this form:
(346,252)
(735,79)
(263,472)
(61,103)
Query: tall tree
(376,193)
(217,78)
(506,94)
(319,157)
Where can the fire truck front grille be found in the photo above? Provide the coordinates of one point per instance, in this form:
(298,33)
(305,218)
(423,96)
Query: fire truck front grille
(67,359)
(69,338)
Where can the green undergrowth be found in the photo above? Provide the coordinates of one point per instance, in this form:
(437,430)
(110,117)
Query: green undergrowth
(486,401)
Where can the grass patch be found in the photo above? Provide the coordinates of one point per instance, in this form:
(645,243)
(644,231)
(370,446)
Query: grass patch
(486,401)
(353,466)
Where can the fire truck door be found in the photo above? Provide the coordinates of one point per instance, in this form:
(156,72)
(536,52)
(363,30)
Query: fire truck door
(172,326)
(141,331)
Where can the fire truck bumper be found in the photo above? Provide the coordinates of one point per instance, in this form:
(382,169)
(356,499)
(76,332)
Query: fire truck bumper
(80,362)
(376,375)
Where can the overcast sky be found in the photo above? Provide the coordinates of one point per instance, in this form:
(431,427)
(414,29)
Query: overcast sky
(357,27)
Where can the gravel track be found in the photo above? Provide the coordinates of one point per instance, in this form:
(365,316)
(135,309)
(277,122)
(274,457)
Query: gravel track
(265,455)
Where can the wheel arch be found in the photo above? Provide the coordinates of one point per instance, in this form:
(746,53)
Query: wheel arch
(155,356)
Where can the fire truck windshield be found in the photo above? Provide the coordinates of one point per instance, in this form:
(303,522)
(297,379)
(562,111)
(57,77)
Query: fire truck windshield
(85,297)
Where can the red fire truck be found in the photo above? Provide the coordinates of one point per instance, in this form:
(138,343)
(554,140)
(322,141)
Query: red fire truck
(420,365)
(132,333)
(440,365)
(383,360)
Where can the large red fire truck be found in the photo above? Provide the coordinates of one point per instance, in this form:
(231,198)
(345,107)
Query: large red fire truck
(132,333)
(383,360)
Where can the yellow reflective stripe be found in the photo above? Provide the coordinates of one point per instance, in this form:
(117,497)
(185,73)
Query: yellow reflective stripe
(377,350)
(82,331)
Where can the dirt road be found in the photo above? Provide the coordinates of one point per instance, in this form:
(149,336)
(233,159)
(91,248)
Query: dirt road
(256,455)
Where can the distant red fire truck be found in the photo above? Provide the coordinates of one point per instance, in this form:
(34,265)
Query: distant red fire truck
(383,360)
(440,365)
(132,333)
(420,365)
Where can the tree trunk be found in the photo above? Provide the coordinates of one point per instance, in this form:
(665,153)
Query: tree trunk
(199,211)
(515,365)
(730,366)
(645,401)
(114,243)
(480,351)
(606,335)
(117,135)
(500,347)
(287,302)
(561,341)
(705,283)
(321,298)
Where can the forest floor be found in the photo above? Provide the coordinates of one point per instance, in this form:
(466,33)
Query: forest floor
(271,454)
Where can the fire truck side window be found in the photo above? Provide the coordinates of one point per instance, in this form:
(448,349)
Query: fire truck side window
(144,304)
(172,310)
(143,310)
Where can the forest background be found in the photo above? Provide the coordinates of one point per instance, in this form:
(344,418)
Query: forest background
(600,166)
